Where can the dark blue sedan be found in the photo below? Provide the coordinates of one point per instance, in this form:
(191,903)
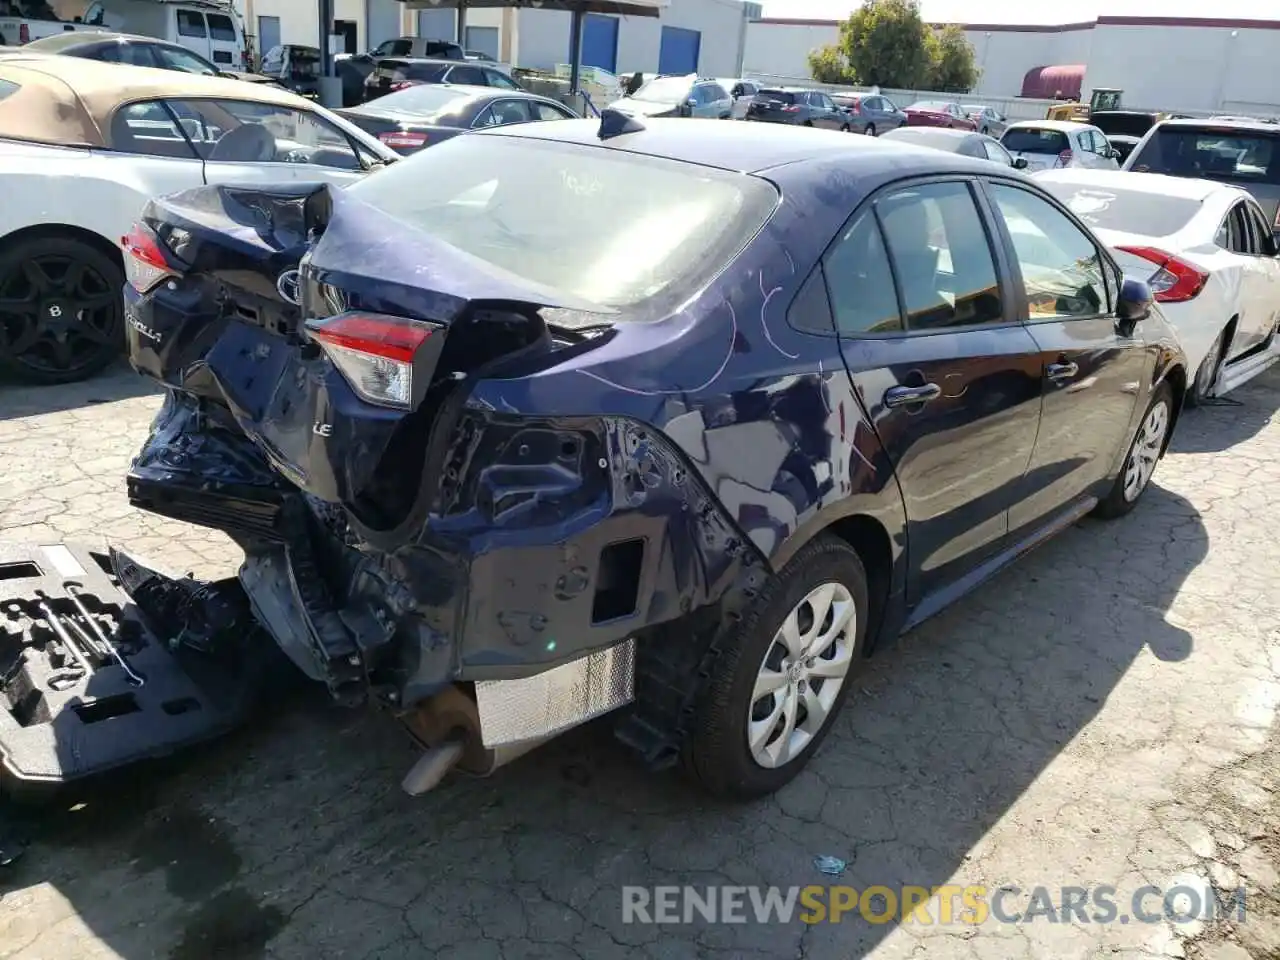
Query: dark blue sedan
(677,419)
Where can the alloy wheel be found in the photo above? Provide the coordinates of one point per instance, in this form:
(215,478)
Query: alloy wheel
(801,675)
(57,313)
(1145,451)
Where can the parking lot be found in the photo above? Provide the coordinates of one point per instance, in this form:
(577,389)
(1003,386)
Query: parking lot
(1100,714)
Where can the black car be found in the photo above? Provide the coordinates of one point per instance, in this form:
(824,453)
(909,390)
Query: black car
(964,142)
(396,73)
(353,70)
(801,108)
(1124,128)
(136,51)
(673,420)
(423,115)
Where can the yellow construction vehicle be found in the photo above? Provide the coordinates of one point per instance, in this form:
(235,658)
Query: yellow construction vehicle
(1102,98)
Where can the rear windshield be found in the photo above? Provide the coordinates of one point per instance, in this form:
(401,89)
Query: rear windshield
(665,90)
(426,102)
(779,96)
(1035,140)
(628,229)
(446,51)
(1129,210)
(221,28)
(1247,156)
(431,72)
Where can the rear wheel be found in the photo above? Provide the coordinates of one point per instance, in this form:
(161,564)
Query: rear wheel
(61,310)
(1144,453)
(1207,374)
(846,129)
(871,130)
(775,692)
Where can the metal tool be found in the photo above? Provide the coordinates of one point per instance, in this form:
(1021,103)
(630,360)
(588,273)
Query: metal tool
(55,624)
(73,591)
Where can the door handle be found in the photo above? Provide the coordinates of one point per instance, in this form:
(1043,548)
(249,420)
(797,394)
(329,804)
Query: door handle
(1062,371)
(904,396)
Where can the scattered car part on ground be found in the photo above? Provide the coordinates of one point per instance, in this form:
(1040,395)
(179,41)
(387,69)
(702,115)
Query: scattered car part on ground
(497,472)
(800,108)
(871,113)
(939,113)
(1055,144)
(89,684)
(689,96)
(1245,154)
(423,115)
(1208,254)
(393,74)
(84,145)
(964,142)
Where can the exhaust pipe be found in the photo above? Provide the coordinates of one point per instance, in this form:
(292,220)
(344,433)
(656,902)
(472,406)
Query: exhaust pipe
(448,725)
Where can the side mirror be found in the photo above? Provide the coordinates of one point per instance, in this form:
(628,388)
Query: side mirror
(1020,163)
(1134,305)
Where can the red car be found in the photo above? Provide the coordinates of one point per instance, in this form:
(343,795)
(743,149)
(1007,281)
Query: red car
(938,113)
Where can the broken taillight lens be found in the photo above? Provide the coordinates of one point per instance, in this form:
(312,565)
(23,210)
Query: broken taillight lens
(1175,280)
(145,264)
(374,352)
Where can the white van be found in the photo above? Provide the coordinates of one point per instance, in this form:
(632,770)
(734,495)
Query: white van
(212,30)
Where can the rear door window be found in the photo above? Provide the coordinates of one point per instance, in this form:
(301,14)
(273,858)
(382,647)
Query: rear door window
(1035,140)
(241,131)
(502,113)
(175,58)
(469,75)
(191,24)
(941,256)
(546,111)
(997,153)
(856,270)
(496,78)
(394,48)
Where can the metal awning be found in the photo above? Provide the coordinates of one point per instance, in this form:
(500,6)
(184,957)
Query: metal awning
(579,9)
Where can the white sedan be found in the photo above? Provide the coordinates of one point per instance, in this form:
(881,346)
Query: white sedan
(84,145)
(1208,253)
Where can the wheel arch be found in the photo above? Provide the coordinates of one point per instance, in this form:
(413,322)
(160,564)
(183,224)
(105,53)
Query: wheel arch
(1176,377)
(45,231)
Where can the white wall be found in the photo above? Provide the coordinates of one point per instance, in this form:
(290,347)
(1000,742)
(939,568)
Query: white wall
(300,20)
(543,36)
(782,49)
(1005,56)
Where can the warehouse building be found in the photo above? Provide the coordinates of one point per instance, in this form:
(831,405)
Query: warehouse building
(690,36)
(1198,65)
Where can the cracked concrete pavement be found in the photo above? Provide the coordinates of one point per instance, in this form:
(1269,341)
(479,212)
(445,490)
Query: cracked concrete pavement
(1102,713)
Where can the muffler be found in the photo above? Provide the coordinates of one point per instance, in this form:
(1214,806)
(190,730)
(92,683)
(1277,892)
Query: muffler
(448,725)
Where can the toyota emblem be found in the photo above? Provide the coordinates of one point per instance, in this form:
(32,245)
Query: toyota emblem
(289,286)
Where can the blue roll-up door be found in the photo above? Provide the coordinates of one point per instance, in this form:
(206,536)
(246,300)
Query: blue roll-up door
(437,24)
(600,42)
(679,51)
(382,22)
(268,34)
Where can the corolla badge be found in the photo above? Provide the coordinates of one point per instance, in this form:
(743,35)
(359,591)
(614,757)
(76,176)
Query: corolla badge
(289,286)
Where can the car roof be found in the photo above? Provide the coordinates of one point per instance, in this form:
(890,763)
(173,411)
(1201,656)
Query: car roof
(1066,126)
(1186,188)
(747,147)
(1241,125)
(70,101)
(932,133)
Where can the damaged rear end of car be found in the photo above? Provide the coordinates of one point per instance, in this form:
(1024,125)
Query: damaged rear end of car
(489,572)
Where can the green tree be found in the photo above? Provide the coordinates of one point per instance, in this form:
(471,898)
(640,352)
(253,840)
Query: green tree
(887,44)
(952,67)
(828,65)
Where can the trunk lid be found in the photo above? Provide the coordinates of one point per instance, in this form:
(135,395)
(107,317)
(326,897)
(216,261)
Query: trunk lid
(773,105)
(289,309)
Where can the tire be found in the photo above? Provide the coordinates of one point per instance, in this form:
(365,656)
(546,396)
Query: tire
(1207,373)
(718,756)
(62,313)
(846,129)
(985,132)
(1121,499)
(871,130)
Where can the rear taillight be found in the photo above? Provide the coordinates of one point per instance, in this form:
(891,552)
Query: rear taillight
(145,264)
(374,352)
(24,33)
(1064,158)
(1175,280)
(403,139)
